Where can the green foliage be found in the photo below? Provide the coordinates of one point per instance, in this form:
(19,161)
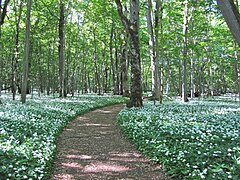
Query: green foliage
(28,132)
(199,140)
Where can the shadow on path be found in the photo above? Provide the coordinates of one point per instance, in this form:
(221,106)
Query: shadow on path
(92,147)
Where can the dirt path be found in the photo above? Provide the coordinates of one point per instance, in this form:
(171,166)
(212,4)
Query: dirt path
(92,147)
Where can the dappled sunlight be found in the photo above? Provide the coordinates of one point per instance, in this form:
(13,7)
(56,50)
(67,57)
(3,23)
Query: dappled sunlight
(72,165)
(104,167)
(127,157)
(226,110)
(93,148)
(68,129)
(95,124)
(103,111)
(82,157)
(63,177)
(125,154)
(84,119)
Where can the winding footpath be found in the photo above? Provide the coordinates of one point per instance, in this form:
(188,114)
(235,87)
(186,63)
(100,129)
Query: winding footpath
(93,147)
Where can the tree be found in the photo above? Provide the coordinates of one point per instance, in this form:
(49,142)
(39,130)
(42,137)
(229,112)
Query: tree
(3,13)
(15,58)
(61,50)
(26,53)
(232,17)
(185,53)
(132,29)
(153,28)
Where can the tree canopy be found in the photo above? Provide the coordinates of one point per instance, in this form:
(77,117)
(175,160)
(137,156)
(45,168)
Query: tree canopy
(97,49)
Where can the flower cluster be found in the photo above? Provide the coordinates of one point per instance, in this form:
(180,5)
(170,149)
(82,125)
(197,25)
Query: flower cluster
(28,132)
(198,140)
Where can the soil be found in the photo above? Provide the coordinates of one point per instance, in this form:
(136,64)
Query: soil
(93,147)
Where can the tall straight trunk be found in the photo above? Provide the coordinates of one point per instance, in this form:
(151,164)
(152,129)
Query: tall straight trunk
(125,64)
(112,61)
(67,80)
(124,69)
(97,83)
(153,32)
(16,50)
(132,29)
(26,53)
(105,79)
(157,25)
(192,75)
(116,88)
(237,70)
(61,49)
(184,63)
(54,73)
(1,69)
(48,69)
(231,16)
(3,13)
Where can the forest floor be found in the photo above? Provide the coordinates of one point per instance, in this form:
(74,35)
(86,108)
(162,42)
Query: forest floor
(93,147)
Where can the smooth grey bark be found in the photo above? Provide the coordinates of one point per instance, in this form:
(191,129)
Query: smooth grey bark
(237,70)
(231,16)
(26,53)
(185,53)
(132,29)
(113,70)
(124,70)
(153,27)
(125,63)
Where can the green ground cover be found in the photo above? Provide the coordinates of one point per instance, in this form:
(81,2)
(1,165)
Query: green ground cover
(195,140)
(28,132)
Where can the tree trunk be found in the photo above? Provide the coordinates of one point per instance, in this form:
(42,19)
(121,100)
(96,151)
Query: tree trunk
(132,28)
(113,69)
(97,83)
(124,70)
(61,49)
(153,53)
(184,63)
(116,88)
(237,70)
(3,11)
(16,50)
(48,69)
(1,69)
(26,53)
(231,16)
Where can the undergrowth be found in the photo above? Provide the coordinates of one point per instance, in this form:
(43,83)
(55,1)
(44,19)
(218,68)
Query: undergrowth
(28,132)
(196,140)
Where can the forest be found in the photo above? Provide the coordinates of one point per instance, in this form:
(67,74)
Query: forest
(177,60)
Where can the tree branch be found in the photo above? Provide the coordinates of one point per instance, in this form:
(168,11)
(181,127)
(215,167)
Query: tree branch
(49,10)
(4,12)
(231,16)
(124,19)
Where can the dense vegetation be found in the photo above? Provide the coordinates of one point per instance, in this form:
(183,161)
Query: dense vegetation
(199,140)
(96,47)
(28,132)
(72,47)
